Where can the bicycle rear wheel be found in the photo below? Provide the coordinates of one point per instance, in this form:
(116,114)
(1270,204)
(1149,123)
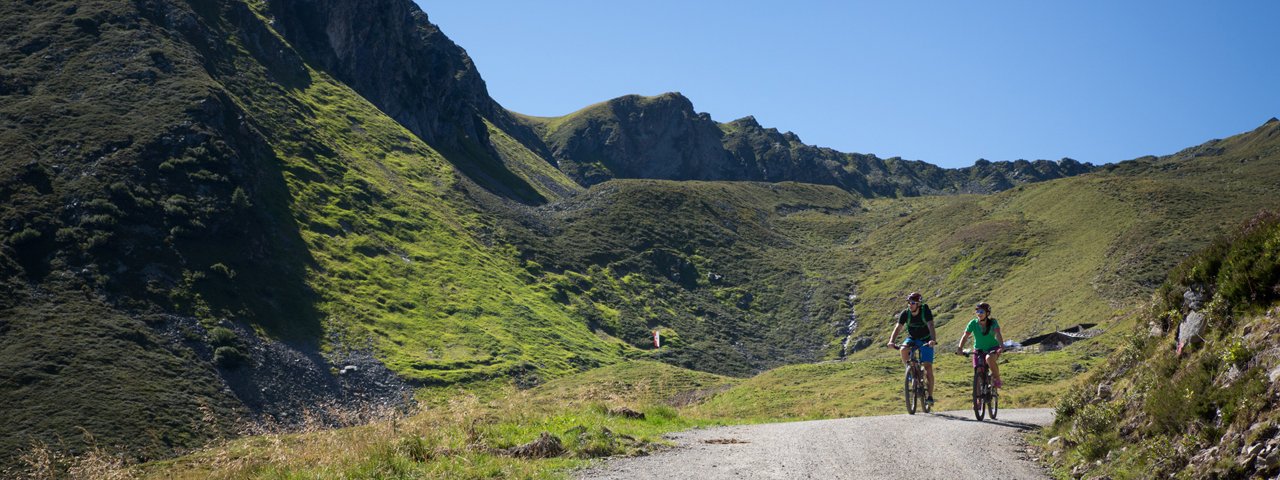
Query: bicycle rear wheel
(908,394)
(977,394)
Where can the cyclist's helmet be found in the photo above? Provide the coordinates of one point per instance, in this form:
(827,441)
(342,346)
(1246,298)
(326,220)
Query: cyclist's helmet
(984,307)
(914,297)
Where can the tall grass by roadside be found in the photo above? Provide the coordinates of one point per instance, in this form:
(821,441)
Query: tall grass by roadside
(496,432)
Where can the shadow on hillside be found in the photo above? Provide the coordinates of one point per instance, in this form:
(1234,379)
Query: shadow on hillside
(480,162)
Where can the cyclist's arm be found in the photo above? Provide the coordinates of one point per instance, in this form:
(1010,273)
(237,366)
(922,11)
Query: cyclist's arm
(933,335)
(999,338)
(963,338)
(892,337)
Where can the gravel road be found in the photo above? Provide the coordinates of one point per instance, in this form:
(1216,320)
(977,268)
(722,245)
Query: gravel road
(939,445)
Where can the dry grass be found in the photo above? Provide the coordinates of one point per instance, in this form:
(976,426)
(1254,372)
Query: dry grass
(45,462)
(465,436)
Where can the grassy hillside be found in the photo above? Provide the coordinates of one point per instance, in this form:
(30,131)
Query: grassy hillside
(745,276)
(396,262)
(1180,401)
(225,182)
(737,276)
(180,181)
(1053,254)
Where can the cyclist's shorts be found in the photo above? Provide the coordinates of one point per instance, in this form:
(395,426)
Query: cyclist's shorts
(926,352)
(980,356)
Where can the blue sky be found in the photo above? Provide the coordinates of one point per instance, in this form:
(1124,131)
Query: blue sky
(944,82)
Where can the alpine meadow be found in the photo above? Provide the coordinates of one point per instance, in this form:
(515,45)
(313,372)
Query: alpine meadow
(299,239)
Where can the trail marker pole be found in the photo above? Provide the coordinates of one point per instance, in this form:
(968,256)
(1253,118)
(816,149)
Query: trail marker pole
(657,339)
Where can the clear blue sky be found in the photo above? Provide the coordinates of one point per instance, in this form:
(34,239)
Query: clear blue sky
(945,82)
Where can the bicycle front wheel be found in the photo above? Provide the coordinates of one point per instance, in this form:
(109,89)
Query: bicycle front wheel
(908,394)
(977,394)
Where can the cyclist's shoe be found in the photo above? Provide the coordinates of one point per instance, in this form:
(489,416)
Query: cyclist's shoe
(998,383)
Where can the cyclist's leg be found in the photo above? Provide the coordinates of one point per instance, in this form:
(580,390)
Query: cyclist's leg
(906,356)
(928,376)
(995,367)
(926,359)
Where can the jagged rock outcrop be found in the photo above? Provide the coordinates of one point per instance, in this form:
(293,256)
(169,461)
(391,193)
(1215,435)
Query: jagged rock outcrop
(392,55)
(663,137)
(658,137)
(389,52)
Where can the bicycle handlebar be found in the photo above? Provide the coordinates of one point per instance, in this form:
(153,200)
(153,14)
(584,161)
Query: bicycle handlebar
(969,353)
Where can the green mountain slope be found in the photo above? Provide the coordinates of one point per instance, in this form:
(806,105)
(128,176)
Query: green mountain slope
(210,209)
(1191,392)
(737,276)
(768,268)
(1076,250)
(214,178)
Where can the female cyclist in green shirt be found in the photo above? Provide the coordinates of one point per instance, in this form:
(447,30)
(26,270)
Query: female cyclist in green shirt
(986,339)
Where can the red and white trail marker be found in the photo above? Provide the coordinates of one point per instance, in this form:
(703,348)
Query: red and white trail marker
(657,339)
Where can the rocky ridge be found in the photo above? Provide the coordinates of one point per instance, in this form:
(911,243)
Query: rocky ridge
(663,137)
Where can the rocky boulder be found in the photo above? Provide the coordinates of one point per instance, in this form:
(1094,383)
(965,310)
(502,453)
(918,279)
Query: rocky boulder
(1189,332)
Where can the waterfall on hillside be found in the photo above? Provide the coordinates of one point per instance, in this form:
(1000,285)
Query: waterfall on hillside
(852,327)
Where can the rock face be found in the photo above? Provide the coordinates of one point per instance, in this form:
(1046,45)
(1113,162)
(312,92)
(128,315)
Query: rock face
(642,137)
(1193,298)
(393,56)
(663,137)
(389,52)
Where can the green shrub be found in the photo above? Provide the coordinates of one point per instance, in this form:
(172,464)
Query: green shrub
(239,199)
(223,337)
(416,448)
(228,357)
(661,413)
(224,270)
(1072,402)
(1172,405)
(1236,353)
(1093,429)
(24,236)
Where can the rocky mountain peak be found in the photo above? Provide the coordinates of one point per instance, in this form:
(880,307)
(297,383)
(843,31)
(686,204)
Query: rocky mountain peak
(389,52)
(748,121)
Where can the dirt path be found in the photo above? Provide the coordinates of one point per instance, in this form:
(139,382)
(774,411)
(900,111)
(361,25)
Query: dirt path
(941,445)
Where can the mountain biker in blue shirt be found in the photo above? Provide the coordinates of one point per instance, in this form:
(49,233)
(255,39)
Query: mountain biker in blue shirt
(986,338)
(920,333)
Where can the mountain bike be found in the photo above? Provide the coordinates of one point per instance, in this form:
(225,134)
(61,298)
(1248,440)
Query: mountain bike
(985,395)
(913,388)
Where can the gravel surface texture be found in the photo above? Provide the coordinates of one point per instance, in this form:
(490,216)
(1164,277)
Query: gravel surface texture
(939,445)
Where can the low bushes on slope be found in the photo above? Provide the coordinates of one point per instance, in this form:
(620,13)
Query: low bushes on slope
(1193,392)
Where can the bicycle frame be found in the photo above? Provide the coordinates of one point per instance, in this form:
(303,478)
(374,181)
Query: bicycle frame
(913,388)
(986,399)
